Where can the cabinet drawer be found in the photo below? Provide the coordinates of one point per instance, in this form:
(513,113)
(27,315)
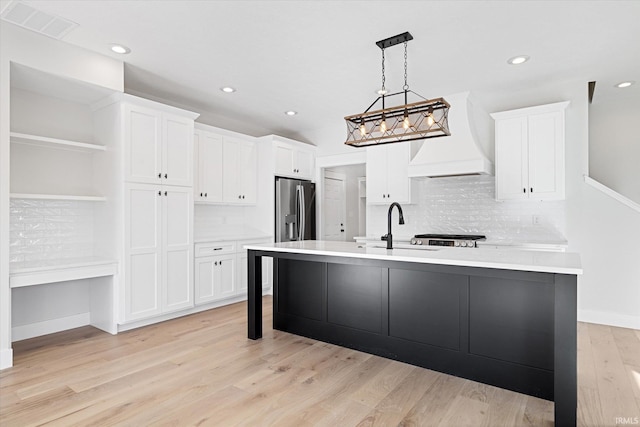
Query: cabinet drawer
(215,248)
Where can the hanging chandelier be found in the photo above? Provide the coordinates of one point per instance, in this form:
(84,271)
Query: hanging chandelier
(423,119)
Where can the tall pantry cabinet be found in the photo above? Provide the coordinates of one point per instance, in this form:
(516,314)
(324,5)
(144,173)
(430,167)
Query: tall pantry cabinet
(157,205)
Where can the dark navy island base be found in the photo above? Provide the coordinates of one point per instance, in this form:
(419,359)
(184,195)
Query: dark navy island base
(511,329)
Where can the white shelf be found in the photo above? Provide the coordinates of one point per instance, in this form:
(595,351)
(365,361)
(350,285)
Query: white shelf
(57,197)
(47,142)
(42,272)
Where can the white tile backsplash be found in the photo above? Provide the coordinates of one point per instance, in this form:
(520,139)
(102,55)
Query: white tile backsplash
(467,205)
(50,229)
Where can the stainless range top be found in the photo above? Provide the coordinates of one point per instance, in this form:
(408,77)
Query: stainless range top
(447,240)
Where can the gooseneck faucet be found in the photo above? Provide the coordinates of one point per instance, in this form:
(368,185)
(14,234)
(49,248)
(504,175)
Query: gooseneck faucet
(389,235)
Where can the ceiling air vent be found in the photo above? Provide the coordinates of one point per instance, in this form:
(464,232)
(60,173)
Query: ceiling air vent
(28,17)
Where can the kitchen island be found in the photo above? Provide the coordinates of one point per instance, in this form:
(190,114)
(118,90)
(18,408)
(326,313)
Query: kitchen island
(501,317)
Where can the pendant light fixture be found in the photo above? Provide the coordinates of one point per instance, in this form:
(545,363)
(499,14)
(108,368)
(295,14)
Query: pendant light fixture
(427,118)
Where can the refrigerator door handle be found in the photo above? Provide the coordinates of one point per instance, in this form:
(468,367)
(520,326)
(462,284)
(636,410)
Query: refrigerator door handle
(298,214)
(303,213)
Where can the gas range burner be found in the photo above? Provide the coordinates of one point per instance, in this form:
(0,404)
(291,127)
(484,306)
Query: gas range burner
(447,240)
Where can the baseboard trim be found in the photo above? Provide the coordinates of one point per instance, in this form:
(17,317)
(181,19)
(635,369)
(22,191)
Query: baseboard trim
(37,329)
(610,319)
(6,358)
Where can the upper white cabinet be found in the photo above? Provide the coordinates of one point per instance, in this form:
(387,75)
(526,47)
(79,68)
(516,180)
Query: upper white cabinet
(530,153)
(226,168)
(208,161)
(387,174)
(158,146)
(240,163)
(294,159)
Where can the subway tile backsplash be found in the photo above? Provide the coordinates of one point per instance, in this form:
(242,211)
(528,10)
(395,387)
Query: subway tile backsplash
(50,229)
(467,205)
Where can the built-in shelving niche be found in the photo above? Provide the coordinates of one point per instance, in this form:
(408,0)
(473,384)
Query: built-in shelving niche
(63,201)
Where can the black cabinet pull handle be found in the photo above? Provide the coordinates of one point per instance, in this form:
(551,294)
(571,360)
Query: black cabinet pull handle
(532,189)
(165,193)
(160,175)
(524,190)
(243,196)
(239,196)
(159,193)
(166,176)
(200,194)
(215,263)
(205,194)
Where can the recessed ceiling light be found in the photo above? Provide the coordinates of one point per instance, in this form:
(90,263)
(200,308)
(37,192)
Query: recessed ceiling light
(517,60)
(227,89)
(118,48)
(624,84)
(291,113)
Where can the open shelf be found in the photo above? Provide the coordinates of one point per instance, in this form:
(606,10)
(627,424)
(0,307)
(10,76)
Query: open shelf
(47,142)
(41,272)
(57,197)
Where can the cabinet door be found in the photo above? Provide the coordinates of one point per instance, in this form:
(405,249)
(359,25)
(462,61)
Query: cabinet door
(377,175)
(284,159)
(398,181)
(231,184)
(143,249)
(546,156)
(177,152)
(225,284)
(177,243)
(210,167)
(204,280)
(512,168)
(267,265)
(247,171)
(142,144)
(304,164)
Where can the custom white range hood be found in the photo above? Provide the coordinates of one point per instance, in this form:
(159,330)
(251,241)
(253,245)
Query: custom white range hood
(458,154)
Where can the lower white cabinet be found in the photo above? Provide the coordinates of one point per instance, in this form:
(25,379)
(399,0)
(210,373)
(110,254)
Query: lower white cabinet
(221,270)
(158,250)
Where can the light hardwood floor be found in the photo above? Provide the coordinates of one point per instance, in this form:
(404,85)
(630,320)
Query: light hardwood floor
(202,370)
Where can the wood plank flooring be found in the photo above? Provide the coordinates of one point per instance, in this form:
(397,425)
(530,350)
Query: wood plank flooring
(202,370)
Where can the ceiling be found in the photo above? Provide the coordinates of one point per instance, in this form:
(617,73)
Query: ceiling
(319,58)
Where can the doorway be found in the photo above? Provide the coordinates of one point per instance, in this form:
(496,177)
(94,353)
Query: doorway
(344,202)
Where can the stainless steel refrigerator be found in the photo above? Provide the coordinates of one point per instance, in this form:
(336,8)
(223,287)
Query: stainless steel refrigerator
(295,210)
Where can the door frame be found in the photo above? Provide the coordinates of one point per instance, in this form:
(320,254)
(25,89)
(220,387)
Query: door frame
(358,157)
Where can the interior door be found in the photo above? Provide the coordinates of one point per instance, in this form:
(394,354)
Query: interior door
(334,206)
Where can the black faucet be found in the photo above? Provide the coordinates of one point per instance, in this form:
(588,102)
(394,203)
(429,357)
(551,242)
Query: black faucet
(389,235)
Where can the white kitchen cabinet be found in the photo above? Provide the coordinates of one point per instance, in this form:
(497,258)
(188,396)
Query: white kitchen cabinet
(267,267)
(240,164)
(530,153)
(158,259)
(209,169)
(215,278)
(387,174)
(294,160)
(158,146)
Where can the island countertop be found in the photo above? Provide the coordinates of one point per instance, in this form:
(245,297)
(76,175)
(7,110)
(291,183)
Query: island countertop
(522,260)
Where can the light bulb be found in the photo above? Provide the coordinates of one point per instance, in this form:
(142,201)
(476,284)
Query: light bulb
(363,129)
(430,120)
(383,126)
(405,123)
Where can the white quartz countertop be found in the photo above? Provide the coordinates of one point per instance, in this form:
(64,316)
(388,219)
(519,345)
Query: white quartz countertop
(218,237)
(522,260)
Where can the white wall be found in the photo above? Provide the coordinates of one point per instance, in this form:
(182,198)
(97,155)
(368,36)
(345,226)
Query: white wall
(42,53)
(614,143)
(603,231)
